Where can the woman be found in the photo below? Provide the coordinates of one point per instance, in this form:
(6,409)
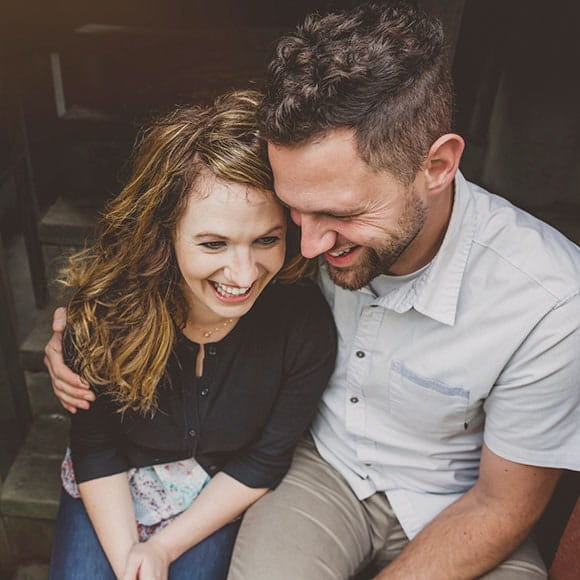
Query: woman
(206,370)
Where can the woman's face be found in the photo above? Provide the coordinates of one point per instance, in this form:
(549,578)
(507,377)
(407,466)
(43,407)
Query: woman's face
(229,243)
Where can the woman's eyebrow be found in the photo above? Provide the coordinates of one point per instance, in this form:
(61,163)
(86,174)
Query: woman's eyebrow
(209,235)
(214,235)
(274,229)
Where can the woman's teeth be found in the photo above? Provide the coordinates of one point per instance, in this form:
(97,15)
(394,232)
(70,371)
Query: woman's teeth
(342,252)
(230,290)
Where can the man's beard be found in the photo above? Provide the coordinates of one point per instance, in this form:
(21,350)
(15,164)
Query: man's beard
(373,262)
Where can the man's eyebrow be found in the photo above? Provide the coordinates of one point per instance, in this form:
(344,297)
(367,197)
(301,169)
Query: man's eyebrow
(343,213)
(334,212)
(350,212)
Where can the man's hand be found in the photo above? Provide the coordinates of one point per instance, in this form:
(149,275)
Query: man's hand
(70,389)
(147,561)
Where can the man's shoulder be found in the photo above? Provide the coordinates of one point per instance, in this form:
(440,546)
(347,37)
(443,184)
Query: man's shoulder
(509,238)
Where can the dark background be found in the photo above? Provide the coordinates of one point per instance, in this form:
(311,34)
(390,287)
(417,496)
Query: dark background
(515,65)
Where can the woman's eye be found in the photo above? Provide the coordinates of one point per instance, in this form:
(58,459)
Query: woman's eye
(213,245)
(268,240)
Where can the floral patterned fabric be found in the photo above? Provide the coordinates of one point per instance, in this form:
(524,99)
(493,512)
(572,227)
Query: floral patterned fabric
(159,492)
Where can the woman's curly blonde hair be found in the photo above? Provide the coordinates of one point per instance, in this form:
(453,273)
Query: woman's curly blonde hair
(127,300)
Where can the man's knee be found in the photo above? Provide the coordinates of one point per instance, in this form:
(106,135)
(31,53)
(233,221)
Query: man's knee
(310,527)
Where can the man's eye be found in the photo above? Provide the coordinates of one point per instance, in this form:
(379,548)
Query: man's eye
(268,240)
(342,218)
(213,245)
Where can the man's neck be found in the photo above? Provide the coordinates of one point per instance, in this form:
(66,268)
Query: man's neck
(427,243)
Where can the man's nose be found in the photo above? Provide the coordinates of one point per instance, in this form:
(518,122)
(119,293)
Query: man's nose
(242,270)
(315,238)
(296,216)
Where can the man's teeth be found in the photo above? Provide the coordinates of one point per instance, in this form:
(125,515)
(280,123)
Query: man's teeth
(230,290)
(342,252)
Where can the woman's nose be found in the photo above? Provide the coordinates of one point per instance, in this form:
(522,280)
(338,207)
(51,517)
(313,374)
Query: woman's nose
(242,271)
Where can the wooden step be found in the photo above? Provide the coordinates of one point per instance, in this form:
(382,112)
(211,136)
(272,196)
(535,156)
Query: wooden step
(40,394)
(30,494)
(32,486)
(31,571)
(116,69)
(32,348)
(65,224)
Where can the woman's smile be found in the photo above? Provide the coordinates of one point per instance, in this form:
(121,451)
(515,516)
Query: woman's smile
(229,244)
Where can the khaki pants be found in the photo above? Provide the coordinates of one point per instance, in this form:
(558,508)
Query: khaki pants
(313,527)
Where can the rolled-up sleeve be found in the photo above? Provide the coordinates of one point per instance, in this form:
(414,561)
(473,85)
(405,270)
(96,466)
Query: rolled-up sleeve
(308,363)
(533,412)
(95,441)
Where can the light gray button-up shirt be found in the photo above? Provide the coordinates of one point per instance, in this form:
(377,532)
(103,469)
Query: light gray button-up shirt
(482,345)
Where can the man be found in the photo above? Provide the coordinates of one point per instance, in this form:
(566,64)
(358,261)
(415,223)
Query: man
(455,401)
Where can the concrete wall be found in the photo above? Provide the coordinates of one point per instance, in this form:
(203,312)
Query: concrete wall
(534,133)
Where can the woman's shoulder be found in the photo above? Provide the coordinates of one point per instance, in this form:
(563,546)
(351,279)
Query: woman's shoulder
(293,304)
(304,293)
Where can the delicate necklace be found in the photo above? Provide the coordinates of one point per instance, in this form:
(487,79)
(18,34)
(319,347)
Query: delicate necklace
(207,332)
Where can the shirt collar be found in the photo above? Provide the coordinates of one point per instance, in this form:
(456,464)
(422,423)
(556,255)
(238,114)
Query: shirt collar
(436,292)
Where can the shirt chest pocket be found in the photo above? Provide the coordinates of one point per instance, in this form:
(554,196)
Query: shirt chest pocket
(426,404)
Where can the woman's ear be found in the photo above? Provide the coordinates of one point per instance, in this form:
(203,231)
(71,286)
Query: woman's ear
(442,162)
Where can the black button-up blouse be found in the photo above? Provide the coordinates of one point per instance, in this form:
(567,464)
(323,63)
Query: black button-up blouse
(259,391)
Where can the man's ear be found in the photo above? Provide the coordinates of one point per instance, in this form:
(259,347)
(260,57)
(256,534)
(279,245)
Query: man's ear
(442,162)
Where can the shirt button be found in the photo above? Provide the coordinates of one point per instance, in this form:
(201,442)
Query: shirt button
(360,354)
(212,350)
(204,392)
(192,433)
(354,400)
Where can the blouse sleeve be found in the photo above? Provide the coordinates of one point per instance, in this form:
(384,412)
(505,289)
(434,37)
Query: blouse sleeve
(95,435)
(308,364)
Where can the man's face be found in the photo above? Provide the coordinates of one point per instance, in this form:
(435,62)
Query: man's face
(361,220)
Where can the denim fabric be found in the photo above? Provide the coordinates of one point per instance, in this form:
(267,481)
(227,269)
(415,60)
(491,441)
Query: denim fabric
(77,553)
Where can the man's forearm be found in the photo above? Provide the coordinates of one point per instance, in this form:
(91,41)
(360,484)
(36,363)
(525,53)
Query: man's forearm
(482,528)
(462,543)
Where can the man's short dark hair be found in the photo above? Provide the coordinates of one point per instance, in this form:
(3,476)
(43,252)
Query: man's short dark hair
(380,70)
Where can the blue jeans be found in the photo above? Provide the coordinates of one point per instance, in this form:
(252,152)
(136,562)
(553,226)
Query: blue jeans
(77,553)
